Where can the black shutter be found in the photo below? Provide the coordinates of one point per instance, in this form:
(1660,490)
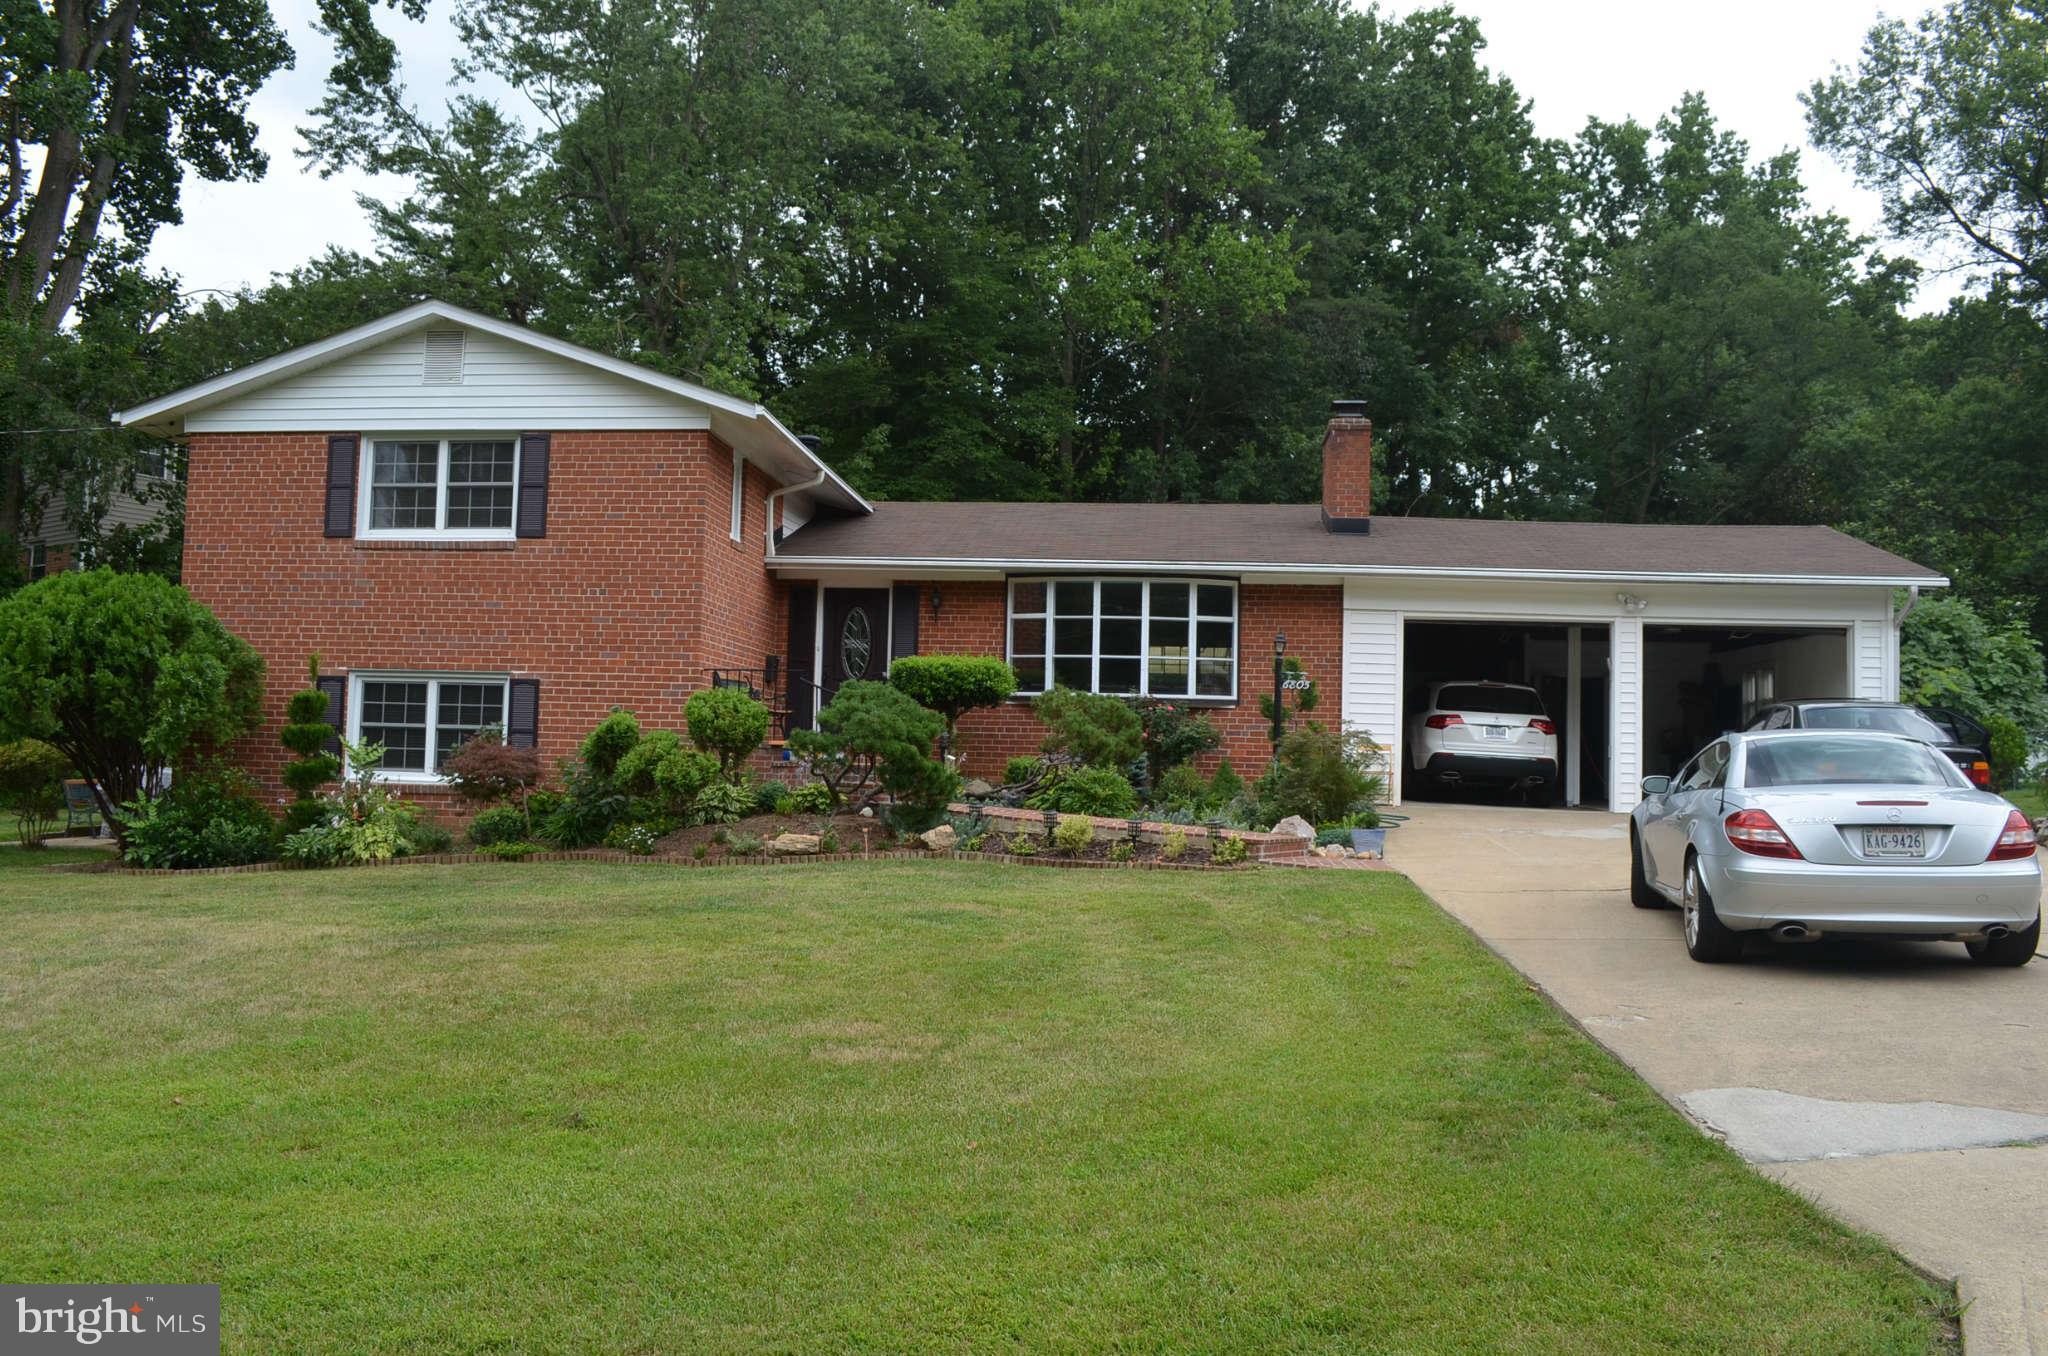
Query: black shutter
(342,450)
(533,486)
(803,646)
(337,709)
(522,714)
(903,600)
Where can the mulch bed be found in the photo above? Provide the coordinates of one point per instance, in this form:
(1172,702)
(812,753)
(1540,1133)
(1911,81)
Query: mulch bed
(851,830)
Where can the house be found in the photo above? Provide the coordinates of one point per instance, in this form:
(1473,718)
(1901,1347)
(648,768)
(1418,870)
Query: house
(473,523)
(51,544)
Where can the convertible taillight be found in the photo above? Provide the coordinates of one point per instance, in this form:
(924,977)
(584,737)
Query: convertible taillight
(1445,721)
(1756,833)
(1543,725)
(2016,841)
(1979,773)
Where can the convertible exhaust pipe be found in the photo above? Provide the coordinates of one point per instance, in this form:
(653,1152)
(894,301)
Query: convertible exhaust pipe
(1794,932)
(1997,932)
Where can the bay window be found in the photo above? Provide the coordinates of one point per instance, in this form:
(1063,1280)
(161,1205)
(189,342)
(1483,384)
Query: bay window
(421,718)
(447,487)
(1125,637)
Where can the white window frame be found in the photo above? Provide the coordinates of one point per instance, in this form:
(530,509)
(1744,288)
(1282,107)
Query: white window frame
(1195,617)
(1759,689)
(38,560)
(411,776)
(365,457)
(739,495)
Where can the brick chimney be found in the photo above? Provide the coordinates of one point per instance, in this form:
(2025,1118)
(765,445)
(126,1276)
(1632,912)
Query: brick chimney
(1347,468)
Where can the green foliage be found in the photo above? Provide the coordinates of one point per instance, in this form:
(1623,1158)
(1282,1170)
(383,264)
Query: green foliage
(638,839)
(510,852)
(772,798)
(684,776)
(1174,845)
(1228,851)
(1023,845)
(746,845)
(728,724)
(635,769)
(1172,735)
(812,798)
(1088,791)
(615,737)
(497,824)
(210,816)
(953,684)
(1187,790)
(484,768)
(1020,769)
(2009,749)
(1951,654)
(306,733)
(722,802)
(873,738)
(1226,785)
(1297,702)
(121,673)
(32,788)
(1317,774)
(364,821)
(1099,731)
(1122,850)
(828,842)
(1073,835)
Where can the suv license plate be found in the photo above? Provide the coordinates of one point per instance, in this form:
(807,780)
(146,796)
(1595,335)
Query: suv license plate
(1895,842)
(1495,731)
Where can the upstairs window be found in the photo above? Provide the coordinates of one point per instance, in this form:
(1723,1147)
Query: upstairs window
(420,719)
(1126,637)
(452,487)
(739,495)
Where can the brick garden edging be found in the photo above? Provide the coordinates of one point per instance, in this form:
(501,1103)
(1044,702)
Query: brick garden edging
(1263,847)
(617,857)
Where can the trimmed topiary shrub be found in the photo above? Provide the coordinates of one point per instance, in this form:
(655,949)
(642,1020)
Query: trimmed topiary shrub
(614,738)
(1089,791)
(306,733)
(873,738)
(953,685)
(727,724)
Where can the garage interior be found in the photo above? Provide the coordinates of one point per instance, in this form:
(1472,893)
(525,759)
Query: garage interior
(1699,681)
(1517,652)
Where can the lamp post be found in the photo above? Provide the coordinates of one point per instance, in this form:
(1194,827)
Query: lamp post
(1279,686)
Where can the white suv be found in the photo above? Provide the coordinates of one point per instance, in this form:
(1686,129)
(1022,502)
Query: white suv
(1485,734)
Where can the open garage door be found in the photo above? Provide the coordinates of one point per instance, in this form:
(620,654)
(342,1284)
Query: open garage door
(1566,665)
(1699,681)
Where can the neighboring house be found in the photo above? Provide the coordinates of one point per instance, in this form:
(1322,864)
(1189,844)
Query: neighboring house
(474,523)
(52,546)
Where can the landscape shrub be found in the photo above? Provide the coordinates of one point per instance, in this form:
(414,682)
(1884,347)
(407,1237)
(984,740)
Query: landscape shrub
(2008,750)
(1096,730)
(210,816)
(32,788)
(1226,786)
(485,769)
(953,685)
(614,737)
(1294,702)
(1122,850)
(511,852)
(1317,774)
(1088,791)
(1073,835)
(721,802)
(872,738)
(772,798)
(682,777)
(1023,845)
(812,798)
(1228,852)
(1173,734)
(828,842)
(1020,769)
(498,824)
(727,724)
(585,810)
(1174,845)
(639,839)
(635,770)
(122,674)
(363,820)
(746,845)
(306,733)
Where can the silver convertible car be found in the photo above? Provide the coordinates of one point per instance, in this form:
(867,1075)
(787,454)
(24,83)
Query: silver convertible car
(1802,834)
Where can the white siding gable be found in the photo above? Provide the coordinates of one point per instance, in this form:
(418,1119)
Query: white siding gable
(500,385)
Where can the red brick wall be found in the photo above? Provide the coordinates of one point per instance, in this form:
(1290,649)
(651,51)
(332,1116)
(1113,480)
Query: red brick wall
(971,619)
(636,589)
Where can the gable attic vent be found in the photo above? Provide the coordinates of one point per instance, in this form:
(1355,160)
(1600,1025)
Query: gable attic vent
(444,358)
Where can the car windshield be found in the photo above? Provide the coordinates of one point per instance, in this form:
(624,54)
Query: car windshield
(1500,701)
(1833,761)
(1890,719)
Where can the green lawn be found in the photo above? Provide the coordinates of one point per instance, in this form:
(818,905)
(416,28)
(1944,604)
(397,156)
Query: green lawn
(2033,804)
(919,1106)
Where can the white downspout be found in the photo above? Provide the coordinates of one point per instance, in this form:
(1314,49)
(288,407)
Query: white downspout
(1912,601)
(775,495)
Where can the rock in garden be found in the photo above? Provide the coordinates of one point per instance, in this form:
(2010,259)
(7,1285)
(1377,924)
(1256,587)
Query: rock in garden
(867,812)
(978,788)
(940,839)
(793,845)
(1297,826)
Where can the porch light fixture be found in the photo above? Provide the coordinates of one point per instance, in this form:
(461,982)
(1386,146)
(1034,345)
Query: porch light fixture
(1279,643)
(937,600)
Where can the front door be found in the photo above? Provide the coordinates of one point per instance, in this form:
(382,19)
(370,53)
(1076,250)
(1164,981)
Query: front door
(856,638)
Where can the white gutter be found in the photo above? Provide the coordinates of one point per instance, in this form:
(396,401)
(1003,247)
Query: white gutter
(774,495)
(1018,565)
(1912,601)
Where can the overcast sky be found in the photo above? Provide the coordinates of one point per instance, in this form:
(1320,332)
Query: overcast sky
(1573,59)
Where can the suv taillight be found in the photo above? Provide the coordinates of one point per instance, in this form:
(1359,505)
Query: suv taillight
(1979,773)
(1543,725)
(2016,840)
(1756,833)
(1444,721)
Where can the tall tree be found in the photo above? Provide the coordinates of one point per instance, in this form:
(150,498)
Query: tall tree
(1947,119)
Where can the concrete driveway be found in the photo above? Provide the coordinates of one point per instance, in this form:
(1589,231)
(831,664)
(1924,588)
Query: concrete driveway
(1899,1085)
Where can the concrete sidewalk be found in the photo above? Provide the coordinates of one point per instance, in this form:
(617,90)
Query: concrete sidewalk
(1911,1073)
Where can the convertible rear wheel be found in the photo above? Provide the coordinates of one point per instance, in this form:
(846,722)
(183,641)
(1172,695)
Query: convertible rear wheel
(1705,937)
(1640,892)
(2015,948)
